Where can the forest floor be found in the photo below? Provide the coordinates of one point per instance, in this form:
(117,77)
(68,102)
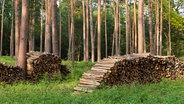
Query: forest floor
(60,91)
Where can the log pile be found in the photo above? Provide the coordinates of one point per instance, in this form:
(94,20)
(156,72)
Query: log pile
(10,74)
(143,70)
(134,68)
(39,64)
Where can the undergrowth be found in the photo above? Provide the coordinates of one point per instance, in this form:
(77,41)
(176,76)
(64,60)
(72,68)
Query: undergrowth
(61,91)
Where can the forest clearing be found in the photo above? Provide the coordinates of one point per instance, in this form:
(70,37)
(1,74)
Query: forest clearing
(121,51)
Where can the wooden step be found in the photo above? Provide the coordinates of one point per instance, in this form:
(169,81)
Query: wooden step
(89,82)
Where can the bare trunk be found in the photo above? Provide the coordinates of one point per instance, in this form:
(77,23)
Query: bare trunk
(55,36)
(140,27)
(119,23)
(2,25)
(144,35)
(41,27)
(60,32)
(17,30)
(87,30)
(127,27)
(12,32)
(99,31)
(91,32)
(135,25)
(69,34)
(84,29)
(106,47)
(151,27)
(161,12)
(157,27)
(48,26)
(23,35)
(72,32)
(116,28)
(169,31)
(31,35)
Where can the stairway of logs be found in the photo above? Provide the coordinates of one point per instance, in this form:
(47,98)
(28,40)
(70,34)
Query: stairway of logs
(92,78)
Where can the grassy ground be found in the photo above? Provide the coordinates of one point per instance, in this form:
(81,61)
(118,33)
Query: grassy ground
(61,91)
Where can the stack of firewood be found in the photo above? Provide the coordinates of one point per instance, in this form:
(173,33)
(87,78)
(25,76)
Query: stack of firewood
(10,74)
(39,64)
(144,70)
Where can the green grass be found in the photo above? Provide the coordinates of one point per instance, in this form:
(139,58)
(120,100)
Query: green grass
(61,91)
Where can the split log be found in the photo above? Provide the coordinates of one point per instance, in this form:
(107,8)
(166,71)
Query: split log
(39,64)
(10,74)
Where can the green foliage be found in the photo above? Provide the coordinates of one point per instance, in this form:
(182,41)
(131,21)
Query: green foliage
(7,59)
(61,92)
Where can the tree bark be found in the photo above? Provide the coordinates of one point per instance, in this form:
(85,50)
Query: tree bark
(41,26)
(91,32)
(48,26)
(72,32)
(2,26)
(55,36)
(161,12)
(69,32)
(12,32)
(84,29)
(17,30)
(116,28)
(105,13)
(60,31)
(99,31)
(31,34)
(127,27)
(157,27)
(135,25)
(140,27)
(169,31)
(23,35)
(151,27)
(87,30)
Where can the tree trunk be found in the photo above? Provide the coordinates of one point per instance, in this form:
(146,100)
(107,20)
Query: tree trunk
(69,32)
(41,26)
(135,25)
(169,31)
(87,30)
(55,36)
(72,32)
(31,34)
(12,32)
(60,31)
(48,26)
(99,31)
(17,30)
(106,47)
(119,23)
(144,34)
(91,32)
(127,27)
(161,12)
(23,35)
(140,27)
(157,27)
(151,27)
(116,28)
(84,29)
(2,25)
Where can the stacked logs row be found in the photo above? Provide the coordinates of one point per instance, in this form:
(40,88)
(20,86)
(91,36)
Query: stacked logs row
(10,74)
(40,64)
(143,70)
